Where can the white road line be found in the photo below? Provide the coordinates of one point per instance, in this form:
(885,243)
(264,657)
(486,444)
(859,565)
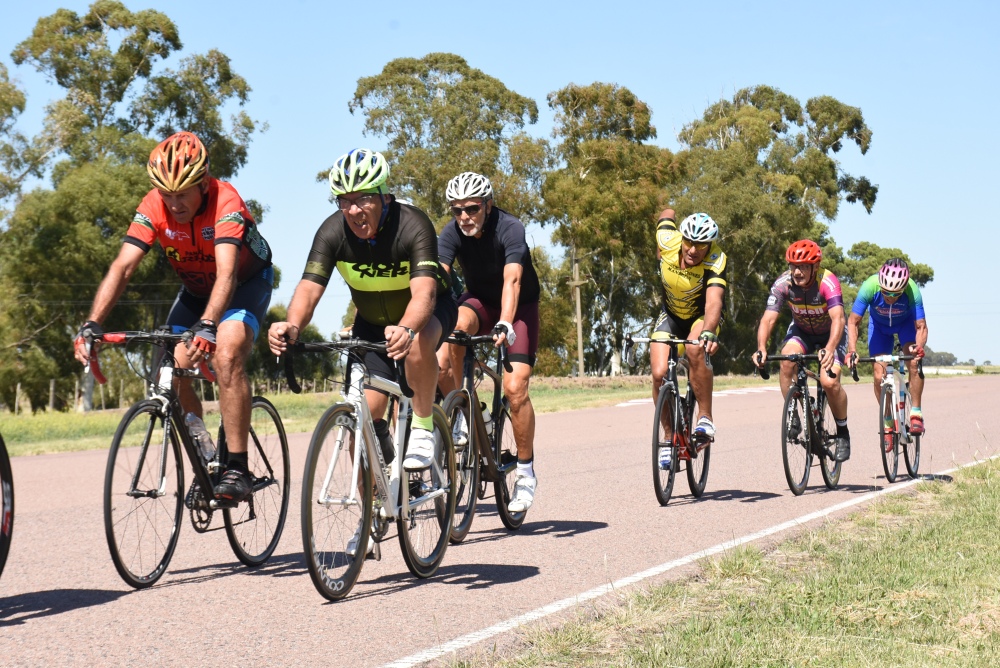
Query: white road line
(552,608)
(720,393)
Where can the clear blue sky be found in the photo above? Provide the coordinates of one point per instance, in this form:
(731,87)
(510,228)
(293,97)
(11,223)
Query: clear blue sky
(923,73)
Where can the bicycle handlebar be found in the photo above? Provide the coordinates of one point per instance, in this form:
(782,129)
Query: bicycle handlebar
(343,344)
(888,359)
(794,357)
(460,338)
(155,338)
(628,350)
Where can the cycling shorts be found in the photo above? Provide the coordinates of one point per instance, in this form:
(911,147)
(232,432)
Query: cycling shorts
(525,323)
(249,304)
(379,364)
(669,326)
(810,343)
(880,339)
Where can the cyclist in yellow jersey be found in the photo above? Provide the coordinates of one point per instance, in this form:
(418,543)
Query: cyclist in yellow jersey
(693,276)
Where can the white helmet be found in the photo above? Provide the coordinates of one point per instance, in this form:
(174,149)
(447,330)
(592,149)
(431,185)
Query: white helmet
(699,228)
(468,185)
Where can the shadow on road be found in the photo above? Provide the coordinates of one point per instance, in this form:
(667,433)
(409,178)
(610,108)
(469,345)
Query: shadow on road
(470,576)
(20,609)
(284,565)
(556,528)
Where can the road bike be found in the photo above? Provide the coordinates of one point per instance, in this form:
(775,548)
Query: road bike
(806,433)
(673,422)
(6,504)
(143,497)
(894,414)
(352,491)
(490,453)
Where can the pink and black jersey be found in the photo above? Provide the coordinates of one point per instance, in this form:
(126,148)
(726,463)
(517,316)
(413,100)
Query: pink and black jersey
(810,306)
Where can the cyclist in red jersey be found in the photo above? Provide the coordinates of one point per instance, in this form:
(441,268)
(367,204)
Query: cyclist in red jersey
(212,242)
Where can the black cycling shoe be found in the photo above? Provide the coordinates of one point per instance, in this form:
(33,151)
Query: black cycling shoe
(843,448)
(794,426)
(235,486)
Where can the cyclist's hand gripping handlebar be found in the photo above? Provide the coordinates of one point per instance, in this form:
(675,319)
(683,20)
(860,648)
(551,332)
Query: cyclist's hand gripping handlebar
(502,350)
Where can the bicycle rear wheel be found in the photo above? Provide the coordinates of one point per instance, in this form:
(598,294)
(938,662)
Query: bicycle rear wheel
(143,500)
(663,422)
(254,527)
(6,504)
(911,449)
(796,454)
(697,465)
(827,428)
(336,503)
(430,493)
(466,466)
(505,454)
(888,436)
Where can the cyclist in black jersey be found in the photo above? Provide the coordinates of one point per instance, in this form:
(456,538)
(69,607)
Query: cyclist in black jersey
(502,291)
(387,254)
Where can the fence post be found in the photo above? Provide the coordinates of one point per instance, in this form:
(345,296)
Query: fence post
(52,393)
(102,397)
(76,395)
(17,399)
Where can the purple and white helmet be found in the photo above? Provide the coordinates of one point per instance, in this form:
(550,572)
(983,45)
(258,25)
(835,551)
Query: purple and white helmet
(894,275)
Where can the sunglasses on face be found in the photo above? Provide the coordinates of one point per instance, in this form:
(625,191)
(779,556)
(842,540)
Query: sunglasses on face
(892,295)
(697,245)
(470,210)
(363,201)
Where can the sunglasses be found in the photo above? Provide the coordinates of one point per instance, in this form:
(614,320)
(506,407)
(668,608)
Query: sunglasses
(891,295)
(470,210)
(363,201)
(697,245)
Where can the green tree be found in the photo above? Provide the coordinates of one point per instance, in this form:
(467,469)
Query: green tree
(557,334)
(59,242)
(441,117)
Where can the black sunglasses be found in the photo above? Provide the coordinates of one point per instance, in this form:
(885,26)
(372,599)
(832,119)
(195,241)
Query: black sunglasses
(471,210)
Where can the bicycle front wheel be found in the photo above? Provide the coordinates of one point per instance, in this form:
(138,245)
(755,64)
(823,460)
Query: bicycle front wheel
(466,465)
(697,465)
(336,503)
(827,428)
(254,527)
(911,449)
(505,455)
(663,424)
(143,501)
(430,495)
(796,454)
(6,504)
(888,436)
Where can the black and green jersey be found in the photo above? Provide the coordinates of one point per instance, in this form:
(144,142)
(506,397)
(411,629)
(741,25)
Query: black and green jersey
(378,274)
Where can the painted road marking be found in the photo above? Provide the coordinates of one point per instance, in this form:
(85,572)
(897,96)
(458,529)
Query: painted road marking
(721,393)
(553,608)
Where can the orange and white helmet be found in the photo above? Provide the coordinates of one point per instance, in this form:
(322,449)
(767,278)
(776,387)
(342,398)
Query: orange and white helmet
(177,163)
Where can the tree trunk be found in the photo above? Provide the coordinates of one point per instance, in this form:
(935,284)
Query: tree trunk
(87,403)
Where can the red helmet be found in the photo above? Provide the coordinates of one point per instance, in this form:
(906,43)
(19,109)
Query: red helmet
(804,251)
(178,162)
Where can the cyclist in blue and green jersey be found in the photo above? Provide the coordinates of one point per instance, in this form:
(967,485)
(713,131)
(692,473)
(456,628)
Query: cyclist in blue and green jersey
(896,309)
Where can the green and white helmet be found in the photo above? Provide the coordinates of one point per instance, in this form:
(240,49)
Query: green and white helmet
(360,169)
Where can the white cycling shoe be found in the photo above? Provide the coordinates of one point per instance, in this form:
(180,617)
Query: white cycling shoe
(524,494)
(460,431)
(352,544)
(420,450)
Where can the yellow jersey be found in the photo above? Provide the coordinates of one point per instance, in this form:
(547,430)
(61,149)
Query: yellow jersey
(684,289)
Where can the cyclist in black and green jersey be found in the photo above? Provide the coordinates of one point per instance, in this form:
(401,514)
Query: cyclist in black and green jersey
(386,251)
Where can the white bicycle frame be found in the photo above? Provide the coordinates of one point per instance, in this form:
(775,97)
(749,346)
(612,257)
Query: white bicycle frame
(902,391)
(387,484)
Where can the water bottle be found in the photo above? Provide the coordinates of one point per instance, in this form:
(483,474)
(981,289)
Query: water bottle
(196,427)
(487,418)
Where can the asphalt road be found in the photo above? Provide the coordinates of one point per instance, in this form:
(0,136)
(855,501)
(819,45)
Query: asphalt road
(595,521)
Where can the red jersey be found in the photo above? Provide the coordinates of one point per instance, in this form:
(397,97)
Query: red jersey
(190,247)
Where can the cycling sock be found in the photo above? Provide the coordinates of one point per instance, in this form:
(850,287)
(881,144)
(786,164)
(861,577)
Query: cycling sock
(841,423)
(524,467)
(238,461)
(423,422)
(916,411)
(842,429)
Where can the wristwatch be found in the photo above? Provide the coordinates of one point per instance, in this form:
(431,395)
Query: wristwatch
(408,331)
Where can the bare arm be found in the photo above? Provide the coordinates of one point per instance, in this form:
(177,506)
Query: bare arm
(511,293)
(764,330)
(837,320)
(853,321)
(922,332)
(115,281)
(300,311)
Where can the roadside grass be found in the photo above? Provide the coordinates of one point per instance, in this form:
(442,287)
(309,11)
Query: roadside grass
(911,580)
(43,432)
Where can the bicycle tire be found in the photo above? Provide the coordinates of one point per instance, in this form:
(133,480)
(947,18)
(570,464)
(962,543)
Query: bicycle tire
(466,467)
(6,504)
(425,533)
(663,481)
(254,527)
(828,466)
(697,466)
(328,527)
(888,438)
(796,453)
(142,528)
(911,450)
(505,455)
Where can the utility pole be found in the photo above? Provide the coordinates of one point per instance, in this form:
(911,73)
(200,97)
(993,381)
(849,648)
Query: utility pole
(576,283)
